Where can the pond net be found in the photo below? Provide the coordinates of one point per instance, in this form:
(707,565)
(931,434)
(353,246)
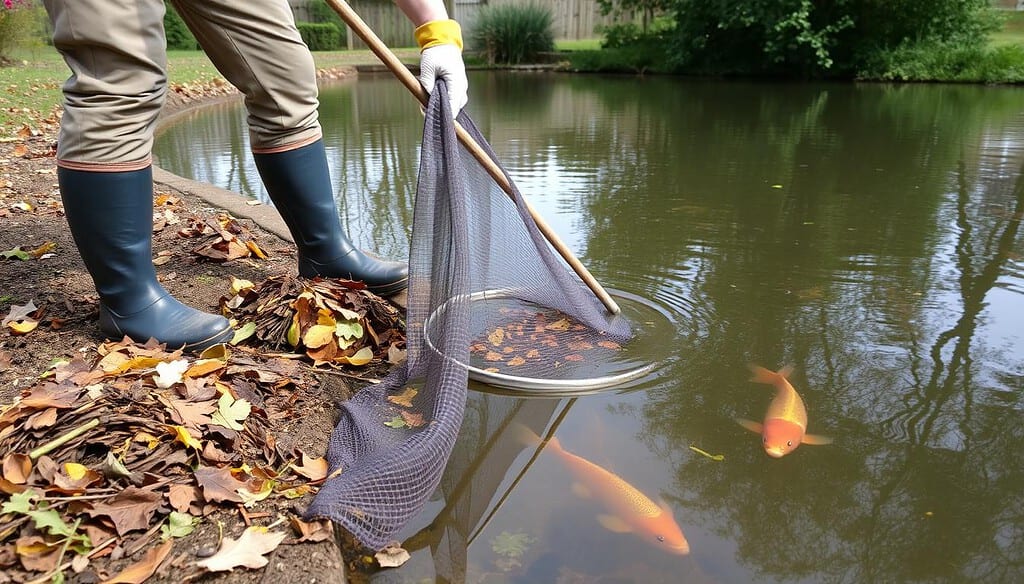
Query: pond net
(471,243)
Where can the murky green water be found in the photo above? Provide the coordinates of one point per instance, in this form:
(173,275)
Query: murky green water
(867,234)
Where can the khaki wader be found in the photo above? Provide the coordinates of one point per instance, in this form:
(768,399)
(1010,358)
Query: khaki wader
(116,50)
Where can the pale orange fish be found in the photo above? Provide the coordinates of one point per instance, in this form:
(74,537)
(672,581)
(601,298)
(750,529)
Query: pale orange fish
(627,510)
(785,422)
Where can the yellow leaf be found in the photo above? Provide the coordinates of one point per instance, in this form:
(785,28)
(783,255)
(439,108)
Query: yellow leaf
(136,363)
(181,434)
(75,471)
(255,249)
(150,440)
(497,336)
(43,249)
(205,367)
(26,326)
(218,351)
(325,318)
(318,335)
(238,286)
(362,357)
(404,398)
(293,332)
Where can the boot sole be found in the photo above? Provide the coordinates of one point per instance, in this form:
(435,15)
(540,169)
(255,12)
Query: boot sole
(389,289)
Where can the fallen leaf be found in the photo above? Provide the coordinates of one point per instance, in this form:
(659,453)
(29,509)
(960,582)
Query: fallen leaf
(17,467)
(255,249)
(496,336)
(392,556)
(396,422)
(558,325)
(243,333)
(231,412)
(181,496)
(238,286)
(313,469)
(218,484)
(404,399)
(23,327)
(204,367)
(348,329)
(43,249)
(318,335)
(362,357)
(313,531)
(247,551)
(131,509)
(19,313)
(178,525)
(15,253)
(140,571)
(183,435)
(412,419)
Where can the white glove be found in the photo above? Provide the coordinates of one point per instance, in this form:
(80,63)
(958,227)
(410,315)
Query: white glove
(445,62)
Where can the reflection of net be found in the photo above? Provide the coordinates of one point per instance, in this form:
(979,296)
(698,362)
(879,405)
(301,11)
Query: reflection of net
(468,236)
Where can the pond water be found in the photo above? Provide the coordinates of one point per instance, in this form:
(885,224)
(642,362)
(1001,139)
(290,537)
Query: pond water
(868,235)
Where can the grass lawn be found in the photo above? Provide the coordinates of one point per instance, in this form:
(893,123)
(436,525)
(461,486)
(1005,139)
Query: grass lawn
(578,45)
(30,88)
(1012,32)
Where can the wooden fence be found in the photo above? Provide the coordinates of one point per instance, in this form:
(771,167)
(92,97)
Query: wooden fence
(572,19)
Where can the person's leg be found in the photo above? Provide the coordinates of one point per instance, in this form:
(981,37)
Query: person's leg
(115,51)
(257,47)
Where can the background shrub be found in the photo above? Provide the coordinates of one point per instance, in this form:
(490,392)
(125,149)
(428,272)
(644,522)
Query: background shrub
(320,36)
(512,34)
(179,37)
(23,26)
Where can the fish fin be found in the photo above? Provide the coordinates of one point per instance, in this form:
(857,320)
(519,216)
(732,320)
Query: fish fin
(663,504)
(816,439)
(755,427)
(613,523)
(765,375)
(526,436)
(581,490)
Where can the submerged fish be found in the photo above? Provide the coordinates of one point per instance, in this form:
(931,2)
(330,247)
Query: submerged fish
(627,510)
(785,422)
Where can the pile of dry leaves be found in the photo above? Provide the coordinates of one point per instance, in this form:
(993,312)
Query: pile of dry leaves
(110,457)
(130,451)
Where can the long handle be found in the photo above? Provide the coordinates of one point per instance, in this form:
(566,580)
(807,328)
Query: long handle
(413,85)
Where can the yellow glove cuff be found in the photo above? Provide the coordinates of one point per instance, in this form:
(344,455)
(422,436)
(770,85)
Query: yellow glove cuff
(439,32)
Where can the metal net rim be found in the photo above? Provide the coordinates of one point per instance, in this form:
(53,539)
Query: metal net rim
(521,384)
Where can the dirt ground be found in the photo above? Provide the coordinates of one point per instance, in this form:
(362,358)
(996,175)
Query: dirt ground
(31,216)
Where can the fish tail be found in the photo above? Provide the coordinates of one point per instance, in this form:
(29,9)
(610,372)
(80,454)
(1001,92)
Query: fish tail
(765,375)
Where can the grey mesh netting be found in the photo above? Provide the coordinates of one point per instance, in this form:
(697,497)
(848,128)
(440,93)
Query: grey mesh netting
(470,240)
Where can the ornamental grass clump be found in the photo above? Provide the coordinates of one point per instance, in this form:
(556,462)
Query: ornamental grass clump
(509,34)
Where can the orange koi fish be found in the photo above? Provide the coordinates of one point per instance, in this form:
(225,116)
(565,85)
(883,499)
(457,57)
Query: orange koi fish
(785,422)
(627,510)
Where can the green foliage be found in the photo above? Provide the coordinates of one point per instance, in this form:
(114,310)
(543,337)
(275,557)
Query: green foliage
(620,35)
(320,11)
(948,62)
(179,37)
(816,38)
(649,9)
(21,26)
(513,34)
(320,36)
(643,57)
